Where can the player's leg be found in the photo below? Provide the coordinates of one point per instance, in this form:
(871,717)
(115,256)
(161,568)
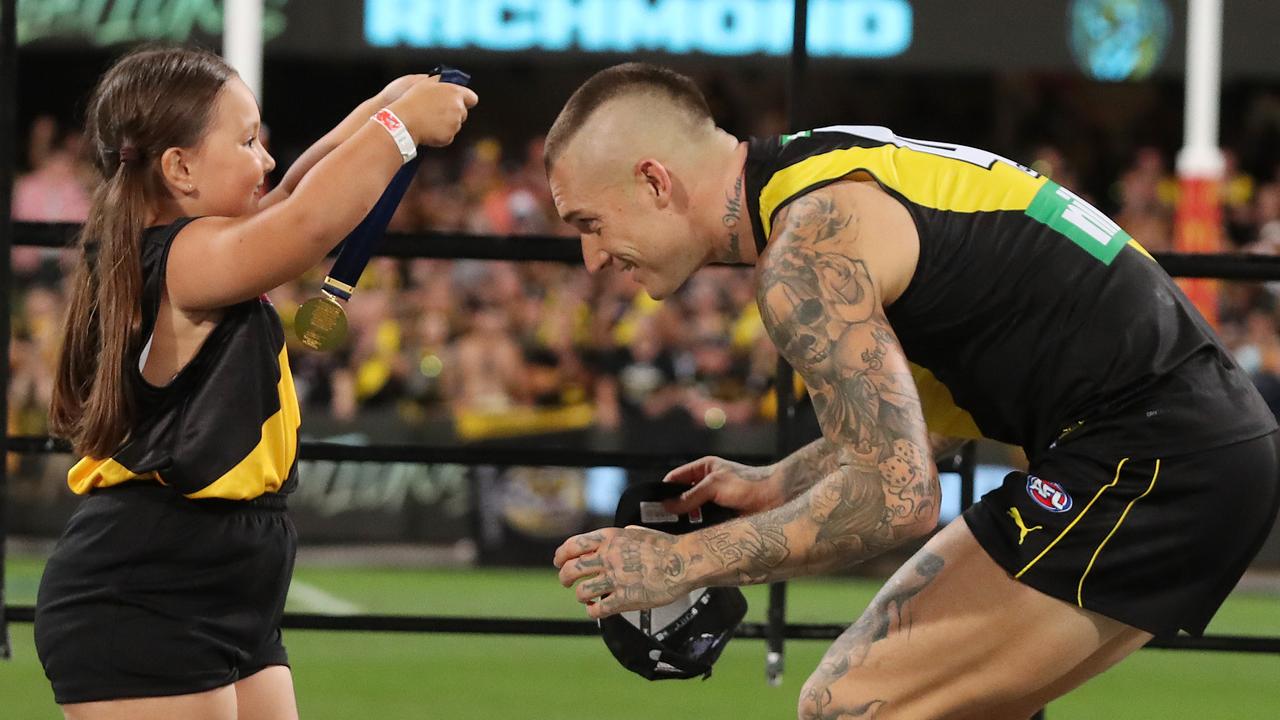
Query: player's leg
(267,695)
(216,704)
(952,634)
(1110,654)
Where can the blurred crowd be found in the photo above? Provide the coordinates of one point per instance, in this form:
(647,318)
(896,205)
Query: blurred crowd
(486,349)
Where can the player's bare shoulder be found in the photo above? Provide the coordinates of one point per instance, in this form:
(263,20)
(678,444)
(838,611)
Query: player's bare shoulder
(821,304)
(854,219)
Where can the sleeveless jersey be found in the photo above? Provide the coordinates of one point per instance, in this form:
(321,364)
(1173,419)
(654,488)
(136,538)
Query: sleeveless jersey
(226,426)
(1031,317)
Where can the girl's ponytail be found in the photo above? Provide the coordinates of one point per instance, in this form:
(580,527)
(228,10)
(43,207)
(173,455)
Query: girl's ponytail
(148,101)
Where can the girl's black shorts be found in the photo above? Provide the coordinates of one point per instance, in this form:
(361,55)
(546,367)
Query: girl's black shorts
(149,593)
(1154,542)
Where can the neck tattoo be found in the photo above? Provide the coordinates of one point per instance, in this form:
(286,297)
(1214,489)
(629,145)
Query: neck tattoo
(733,213)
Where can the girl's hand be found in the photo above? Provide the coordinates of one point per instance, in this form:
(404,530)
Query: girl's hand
(397,87)
(434,111)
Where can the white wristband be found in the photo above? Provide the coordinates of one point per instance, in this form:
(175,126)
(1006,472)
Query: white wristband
(393,125)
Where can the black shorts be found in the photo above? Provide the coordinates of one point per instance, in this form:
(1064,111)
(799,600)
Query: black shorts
(1156,543)
(149,593)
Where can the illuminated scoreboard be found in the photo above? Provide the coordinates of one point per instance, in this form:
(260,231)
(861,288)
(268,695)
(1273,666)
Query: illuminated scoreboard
(836,28)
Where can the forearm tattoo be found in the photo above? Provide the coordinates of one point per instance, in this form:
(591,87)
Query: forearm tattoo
(754,550)
(801,469)
(875,481)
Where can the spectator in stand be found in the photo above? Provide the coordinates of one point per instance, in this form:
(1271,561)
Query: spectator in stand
(381,370)
(486,189)
(1266,220)
(429,357)
(703,300)
(531,204)
(408,350)
(1236,192)
(1143,212)
(437,200)
(643,376)
(490,365)
(718,393)
(57,189)
(34,351)
(1050,162)
(1259,353)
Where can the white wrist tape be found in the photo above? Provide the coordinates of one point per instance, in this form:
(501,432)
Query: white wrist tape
(393,125)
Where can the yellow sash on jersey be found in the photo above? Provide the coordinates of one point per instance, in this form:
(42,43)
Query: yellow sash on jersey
(926,179)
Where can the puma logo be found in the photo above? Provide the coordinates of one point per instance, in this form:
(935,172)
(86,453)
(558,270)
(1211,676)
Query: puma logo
(1023,530)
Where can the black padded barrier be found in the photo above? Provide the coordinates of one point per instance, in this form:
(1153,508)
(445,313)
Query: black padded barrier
(551,248)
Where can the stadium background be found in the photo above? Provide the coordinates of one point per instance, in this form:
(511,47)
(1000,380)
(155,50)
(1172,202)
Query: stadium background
(537,355)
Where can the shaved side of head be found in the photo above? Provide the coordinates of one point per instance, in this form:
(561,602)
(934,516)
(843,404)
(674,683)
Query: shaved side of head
(630,111)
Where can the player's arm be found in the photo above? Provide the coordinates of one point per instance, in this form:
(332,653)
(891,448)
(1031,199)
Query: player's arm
(798,471)
(750,489)
(823,310)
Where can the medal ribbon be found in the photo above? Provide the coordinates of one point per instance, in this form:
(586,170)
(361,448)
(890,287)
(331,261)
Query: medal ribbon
(359,244)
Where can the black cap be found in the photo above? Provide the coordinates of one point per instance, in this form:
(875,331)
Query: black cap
(683,639)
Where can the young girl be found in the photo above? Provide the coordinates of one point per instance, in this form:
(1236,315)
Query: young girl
(164,595)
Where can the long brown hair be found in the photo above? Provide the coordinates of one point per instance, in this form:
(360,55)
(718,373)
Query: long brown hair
(150,100)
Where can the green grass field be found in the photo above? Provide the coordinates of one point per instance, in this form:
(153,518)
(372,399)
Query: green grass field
(385,676)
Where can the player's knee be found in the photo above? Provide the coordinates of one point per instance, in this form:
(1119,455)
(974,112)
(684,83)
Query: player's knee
(812,695)
(825,696)
(811,699)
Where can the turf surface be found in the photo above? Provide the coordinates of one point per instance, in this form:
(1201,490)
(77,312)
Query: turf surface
(384,676)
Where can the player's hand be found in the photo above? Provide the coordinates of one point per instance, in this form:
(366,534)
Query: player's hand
(434,111)
(726,483)
(620,569)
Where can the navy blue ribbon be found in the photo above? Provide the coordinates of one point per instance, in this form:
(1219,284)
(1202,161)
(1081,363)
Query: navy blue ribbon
(359,244)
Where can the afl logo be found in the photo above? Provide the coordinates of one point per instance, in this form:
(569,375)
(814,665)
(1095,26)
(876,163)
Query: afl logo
(1048,495)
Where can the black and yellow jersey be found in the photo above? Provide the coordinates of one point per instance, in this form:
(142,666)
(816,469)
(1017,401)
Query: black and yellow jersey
(1031,316)
(226,426)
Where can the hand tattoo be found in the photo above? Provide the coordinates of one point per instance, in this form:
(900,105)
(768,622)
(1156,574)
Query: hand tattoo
(631,558)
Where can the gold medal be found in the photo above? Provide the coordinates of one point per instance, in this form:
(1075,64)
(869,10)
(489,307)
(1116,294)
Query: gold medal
(321,323)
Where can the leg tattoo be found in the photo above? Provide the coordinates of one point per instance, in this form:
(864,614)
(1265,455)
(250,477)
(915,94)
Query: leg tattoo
(889,612)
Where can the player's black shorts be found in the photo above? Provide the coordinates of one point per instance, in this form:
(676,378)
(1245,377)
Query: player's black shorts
(1156,543)
(149,593)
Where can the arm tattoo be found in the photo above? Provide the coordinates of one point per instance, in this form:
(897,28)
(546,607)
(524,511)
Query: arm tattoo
(806,466)
(759,547)
(872,482)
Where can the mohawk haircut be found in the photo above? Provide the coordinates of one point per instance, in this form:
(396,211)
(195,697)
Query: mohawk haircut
(615,82)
